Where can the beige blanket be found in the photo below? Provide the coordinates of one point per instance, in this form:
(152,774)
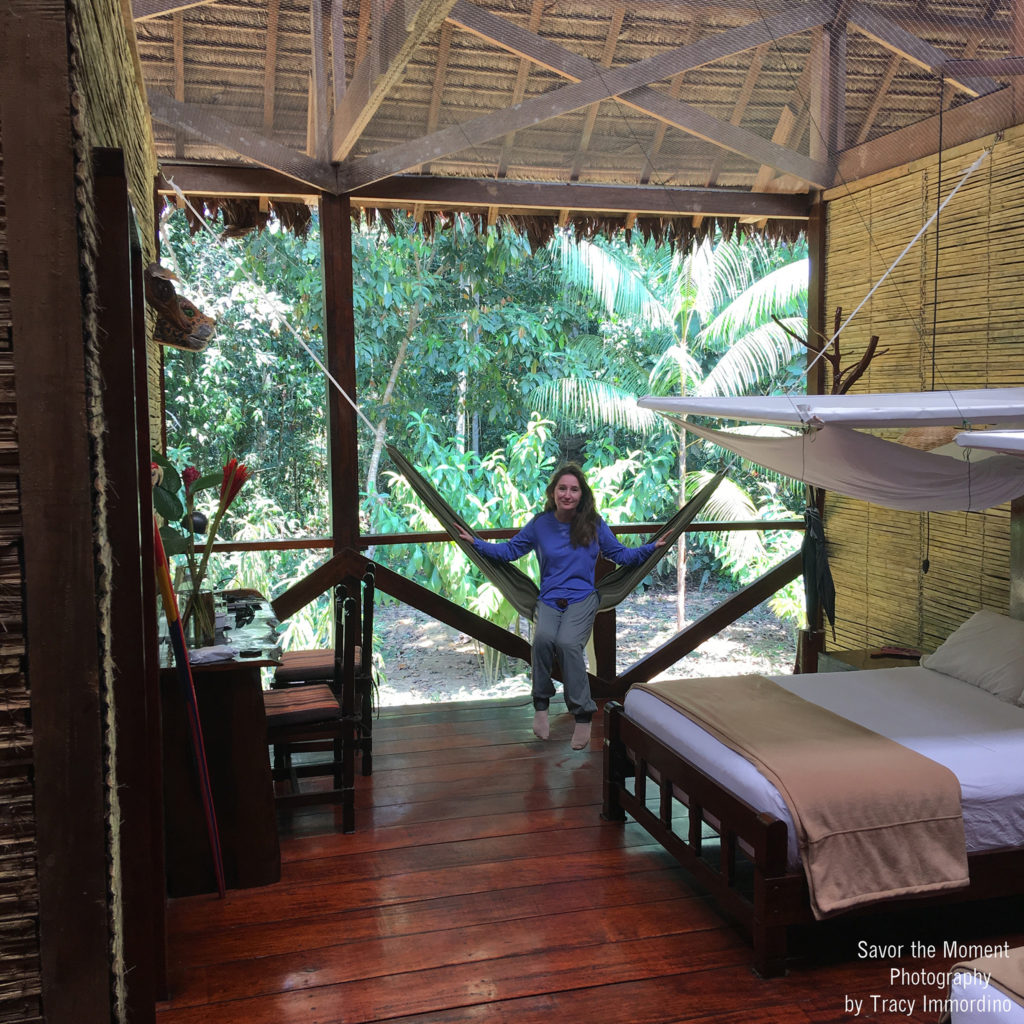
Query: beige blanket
(874,820)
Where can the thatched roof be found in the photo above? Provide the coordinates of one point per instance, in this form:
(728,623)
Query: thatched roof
(673,112)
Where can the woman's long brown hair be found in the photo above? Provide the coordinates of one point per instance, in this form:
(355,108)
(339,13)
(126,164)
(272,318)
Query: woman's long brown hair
(583,525)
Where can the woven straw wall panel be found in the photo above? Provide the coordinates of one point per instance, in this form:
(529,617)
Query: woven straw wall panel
(19,897)
(960,328)
(116,116)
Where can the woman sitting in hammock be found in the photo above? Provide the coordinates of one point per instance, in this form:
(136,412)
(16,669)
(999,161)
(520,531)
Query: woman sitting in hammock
(567,536)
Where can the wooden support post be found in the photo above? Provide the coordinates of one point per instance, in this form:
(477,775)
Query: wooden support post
(133,608)
(55,469)
(604,637)
(811,641)
(340,344)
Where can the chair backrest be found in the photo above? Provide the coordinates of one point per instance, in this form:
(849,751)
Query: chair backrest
(367,623)
(346,617)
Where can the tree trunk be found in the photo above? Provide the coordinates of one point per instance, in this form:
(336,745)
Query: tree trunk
(460,411)
(380,433)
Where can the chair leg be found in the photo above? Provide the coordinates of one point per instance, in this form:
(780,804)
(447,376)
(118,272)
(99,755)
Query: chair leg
(344,781)
(366,724)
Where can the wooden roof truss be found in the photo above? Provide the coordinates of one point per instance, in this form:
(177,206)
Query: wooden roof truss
(565,106)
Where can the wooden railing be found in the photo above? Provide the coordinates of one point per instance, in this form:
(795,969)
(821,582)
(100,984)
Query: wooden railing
(352,563)
(371,540)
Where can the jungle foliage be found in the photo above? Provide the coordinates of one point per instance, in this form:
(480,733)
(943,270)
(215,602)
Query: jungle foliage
(487,364)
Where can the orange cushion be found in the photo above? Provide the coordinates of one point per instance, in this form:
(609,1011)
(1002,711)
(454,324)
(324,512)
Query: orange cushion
(297,705)
(309,666)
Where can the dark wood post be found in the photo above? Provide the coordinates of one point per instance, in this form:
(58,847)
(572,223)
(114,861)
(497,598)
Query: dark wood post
(133,601)
(63,660)
(811,641)
(605,633)
(340,345)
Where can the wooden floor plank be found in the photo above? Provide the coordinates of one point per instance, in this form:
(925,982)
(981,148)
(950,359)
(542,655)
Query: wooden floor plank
(565,935)
(203,946)
(482,885)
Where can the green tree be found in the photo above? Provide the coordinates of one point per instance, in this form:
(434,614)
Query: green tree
(710,313)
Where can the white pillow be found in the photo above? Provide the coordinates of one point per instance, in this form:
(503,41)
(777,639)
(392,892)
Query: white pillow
(987,651)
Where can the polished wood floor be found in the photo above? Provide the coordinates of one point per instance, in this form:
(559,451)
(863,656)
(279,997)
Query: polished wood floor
(482,885)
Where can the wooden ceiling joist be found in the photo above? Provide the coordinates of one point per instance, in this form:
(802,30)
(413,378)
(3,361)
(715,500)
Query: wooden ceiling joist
(441,193)
(440,72)
(400,31)
(608,53)
(201,122)
(270,67)
(519,89)
(629,84)
(580,197)
(318,117)
(893,37)
(145,10)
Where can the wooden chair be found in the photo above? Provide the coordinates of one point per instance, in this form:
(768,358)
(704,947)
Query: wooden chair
(319,716)
(309,666)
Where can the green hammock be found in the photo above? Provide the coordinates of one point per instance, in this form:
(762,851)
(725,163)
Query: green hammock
(517,588)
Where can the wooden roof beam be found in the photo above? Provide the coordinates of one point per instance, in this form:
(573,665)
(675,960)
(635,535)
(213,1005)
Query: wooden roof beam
(178,37)
(317,116)
(579,197)
(893,37)
(742,101)
(270,68)
(879,98)
(236,181)
(628,84)
(519,89)
(440,73)
(250,145)
(146,10)
(965,123)
(396,36)
(490,194)
(607,54)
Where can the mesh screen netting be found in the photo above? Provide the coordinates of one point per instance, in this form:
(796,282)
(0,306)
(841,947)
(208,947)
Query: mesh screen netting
(753,95)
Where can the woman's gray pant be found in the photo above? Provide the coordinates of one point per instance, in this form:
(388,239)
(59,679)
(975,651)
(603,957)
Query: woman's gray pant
(564,633)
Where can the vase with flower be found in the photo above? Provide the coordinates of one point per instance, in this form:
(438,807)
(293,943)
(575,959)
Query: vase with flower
(174,497)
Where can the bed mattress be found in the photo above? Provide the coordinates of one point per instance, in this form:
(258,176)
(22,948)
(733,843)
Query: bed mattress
(973,1000)
(977,736)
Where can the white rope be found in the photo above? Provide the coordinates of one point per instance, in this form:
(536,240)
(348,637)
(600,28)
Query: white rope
(295,334)
(927,224)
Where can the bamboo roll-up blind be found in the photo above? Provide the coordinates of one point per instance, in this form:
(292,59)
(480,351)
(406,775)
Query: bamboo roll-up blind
(974,308)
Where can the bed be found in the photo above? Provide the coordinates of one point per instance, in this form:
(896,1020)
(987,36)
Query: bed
(730,827)
(988,989)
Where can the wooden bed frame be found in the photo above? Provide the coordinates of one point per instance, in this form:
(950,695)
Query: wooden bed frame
(748,877)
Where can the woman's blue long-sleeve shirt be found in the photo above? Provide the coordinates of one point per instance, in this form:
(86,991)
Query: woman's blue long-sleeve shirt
(566,573)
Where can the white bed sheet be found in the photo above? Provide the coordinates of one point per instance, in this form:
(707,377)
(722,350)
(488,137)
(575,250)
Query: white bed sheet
(977,736)
(974,1001)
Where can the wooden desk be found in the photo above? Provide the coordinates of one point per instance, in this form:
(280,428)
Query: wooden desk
(230,698)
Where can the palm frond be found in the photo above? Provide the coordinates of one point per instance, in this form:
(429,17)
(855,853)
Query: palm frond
(729,503)
(612,276)
(759,355)
(781,292)
(593,403)
(664,377)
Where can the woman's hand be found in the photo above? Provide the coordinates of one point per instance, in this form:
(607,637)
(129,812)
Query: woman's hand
(464,534)
(660,542)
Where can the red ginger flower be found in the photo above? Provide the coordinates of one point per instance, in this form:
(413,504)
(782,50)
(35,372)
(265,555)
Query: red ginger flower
(235,475)
(189,476)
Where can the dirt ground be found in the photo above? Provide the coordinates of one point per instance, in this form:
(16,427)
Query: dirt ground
(426,661)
